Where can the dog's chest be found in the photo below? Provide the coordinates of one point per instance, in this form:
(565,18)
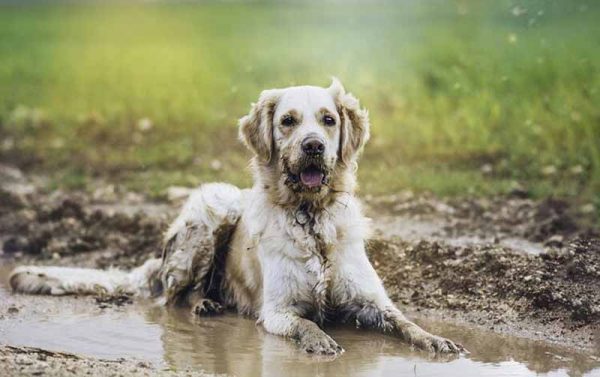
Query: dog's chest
(300,260)
(314,243)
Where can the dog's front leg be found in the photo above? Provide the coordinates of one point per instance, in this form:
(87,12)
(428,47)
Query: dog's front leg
(307,333)
(390,320)
(363,300)
(285,283)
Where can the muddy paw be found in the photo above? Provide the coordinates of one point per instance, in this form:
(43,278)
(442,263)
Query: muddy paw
(320,344)
(436,344)
(205,307)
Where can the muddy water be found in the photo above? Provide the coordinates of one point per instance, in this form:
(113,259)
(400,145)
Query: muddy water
(233,345)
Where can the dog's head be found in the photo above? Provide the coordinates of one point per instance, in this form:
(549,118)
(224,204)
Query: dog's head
(306,141)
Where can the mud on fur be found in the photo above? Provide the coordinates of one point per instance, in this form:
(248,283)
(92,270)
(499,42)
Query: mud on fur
(245,249)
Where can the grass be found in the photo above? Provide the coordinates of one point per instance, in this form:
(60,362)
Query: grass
(465,96)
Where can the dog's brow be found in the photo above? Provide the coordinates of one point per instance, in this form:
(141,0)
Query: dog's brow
(293,113)
(323,111)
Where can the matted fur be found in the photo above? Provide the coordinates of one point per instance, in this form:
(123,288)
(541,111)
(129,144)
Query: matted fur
(289,251)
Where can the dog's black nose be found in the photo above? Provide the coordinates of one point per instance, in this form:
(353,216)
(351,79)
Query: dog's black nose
(313,146)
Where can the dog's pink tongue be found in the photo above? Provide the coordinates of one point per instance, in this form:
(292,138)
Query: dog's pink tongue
(311,177)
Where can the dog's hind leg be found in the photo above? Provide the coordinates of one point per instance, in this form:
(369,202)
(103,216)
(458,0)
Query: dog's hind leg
(56,281)
(195,243)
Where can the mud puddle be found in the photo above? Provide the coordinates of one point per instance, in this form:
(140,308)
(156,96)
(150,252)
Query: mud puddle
(234,345)
(516,266)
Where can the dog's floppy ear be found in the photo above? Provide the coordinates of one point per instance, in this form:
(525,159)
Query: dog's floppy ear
(256,128)
(354,123)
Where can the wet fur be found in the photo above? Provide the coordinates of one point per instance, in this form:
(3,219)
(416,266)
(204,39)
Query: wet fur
(289,255)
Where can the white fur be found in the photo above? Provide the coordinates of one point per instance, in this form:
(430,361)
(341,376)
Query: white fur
(283,270)
(210,205)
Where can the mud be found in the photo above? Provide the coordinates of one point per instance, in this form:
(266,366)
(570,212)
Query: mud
(514,220)
(145,338)
(31,361)
(509,264)
(102,229)
(542,297)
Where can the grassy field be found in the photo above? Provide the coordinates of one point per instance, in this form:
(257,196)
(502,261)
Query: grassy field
(465,96)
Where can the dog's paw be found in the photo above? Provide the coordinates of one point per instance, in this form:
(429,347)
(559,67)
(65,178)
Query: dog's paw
(206,307)
(435,344)
(320,344)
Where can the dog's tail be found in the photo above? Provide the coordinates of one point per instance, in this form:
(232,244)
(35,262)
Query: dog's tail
(141,281)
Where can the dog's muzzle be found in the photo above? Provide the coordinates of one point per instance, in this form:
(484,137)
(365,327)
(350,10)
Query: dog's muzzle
(311,174)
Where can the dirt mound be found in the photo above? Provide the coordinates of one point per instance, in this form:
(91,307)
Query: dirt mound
(559,285)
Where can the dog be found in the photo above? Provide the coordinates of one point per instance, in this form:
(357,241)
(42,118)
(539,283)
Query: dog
(290,251)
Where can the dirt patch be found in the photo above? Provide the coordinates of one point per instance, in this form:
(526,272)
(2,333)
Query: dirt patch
(558,291)
(558,285)
(511,264)
(121,230)
(29,361)
(552,295)
(550,222)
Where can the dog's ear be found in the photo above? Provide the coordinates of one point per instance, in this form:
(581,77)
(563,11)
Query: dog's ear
(256,128)
(354,123)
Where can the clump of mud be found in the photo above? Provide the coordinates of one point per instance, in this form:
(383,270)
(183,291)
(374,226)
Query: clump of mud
(110,300)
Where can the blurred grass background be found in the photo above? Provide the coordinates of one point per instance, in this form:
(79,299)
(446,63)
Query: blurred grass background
(466,97)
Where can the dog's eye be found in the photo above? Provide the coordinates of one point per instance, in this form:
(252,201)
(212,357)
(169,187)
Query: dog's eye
(288,121)
(329,120)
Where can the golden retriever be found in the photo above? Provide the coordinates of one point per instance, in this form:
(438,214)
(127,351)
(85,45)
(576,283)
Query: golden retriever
(289,251)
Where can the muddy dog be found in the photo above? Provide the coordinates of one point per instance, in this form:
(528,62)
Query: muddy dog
(289,251)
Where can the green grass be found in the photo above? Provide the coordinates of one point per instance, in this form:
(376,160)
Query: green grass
(451,86)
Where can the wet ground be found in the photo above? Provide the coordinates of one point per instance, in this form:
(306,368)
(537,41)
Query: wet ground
(510,264)
(516,280)
(233,345)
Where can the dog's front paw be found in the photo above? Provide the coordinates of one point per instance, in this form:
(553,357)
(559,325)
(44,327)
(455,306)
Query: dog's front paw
(206,307)
(433,343)
(319,343)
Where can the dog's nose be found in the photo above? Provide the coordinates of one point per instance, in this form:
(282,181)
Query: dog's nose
(313,146)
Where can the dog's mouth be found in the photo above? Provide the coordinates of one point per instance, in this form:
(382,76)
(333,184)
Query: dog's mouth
(312,176)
